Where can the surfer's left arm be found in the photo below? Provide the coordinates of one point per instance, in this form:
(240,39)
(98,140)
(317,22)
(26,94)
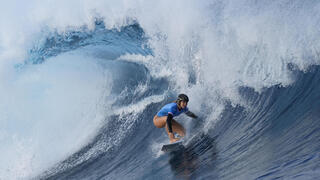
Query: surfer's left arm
(191,114)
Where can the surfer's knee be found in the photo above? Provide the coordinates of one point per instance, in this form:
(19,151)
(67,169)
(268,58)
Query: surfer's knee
(178,128)
(183,132)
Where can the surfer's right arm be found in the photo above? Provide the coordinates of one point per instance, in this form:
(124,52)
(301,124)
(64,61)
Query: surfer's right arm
(169,124)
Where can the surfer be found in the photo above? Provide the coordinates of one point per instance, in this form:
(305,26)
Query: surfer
(164,118)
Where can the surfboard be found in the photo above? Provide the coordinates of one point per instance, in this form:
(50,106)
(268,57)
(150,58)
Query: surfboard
(172,147)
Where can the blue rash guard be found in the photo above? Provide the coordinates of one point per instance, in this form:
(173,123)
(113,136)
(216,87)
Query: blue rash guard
(171,108)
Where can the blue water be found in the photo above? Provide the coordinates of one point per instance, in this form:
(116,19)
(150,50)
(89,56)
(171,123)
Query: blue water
(83,99)
(277,138)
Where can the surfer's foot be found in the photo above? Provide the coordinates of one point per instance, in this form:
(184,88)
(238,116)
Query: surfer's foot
(174,140)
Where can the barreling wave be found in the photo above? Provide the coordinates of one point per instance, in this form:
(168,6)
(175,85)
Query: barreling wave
(80,86)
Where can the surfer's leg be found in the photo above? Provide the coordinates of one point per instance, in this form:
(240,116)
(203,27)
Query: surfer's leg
(161,122)
(177,128)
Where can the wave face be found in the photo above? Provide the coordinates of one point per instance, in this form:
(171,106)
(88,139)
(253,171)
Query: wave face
(80,82)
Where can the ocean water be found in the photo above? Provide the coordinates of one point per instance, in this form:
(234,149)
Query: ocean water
(80,82)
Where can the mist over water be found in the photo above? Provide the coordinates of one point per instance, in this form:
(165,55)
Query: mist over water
(80,82)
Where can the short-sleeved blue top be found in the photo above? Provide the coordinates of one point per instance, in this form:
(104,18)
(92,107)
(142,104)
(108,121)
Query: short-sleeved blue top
(171,108)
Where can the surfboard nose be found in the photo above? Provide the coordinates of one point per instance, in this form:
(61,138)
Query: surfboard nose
(172,147)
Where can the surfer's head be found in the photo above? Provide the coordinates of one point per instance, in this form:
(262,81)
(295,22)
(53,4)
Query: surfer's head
(182,100)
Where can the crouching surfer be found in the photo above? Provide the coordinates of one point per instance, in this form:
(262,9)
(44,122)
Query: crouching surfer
(164,118)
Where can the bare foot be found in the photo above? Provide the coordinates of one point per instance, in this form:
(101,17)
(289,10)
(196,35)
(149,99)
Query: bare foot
(174,140)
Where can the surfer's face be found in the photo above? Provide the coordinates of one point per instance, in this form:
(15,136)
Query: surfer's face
(183,104)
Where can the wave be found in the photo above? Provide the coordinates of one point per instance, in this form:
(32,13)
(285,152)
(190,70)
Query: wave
(79,88)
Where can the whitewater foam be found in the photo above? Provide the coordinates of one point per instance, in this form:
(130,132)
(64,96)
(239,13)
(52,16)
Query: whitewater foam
(206,50)
(51,110)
